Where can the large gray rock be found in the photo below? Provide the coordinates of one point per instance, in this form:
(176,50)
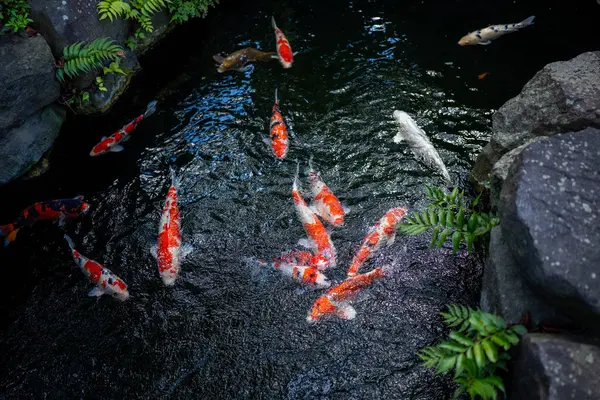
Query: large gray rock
(27,81)
(550,219)
(552,367)
(562,97)
(505,291)
(23,146)
(63,22)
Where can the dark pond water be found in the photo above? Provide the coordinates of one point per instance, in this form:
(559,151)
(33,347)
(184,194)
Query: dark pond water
(227,329)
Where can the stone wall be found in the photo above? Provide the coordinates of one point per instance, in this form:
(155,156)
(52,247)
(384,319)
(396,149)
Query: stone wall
(543,163)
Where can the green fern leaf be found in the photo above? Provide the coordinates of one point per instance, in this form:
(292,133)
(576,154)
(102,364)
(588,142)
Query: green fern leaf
(490,350)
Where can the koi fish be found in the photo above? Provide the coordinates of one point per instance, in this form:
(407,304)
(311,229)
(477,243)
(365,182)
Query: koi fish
(238,59)
(60,210)
(318,237)
(284,51)
(486,35)
(325,204)
(304,258)
(335,301)
(169,251)
(481,76)
(279,135)
(111,143)
(384,231)
(305,275)
(419,143)
(106,282)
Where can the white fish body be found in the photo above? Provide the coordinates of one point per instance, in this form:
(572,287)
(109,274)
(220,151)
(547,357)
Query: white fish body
(486,35)
(420,145)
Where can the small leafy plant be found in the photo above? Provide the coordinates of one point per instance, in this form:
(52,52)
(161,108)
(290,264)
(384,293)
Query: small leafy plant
(79,58)
(138,10)
(14,16)
(475,350)
(183,10)
(448,217)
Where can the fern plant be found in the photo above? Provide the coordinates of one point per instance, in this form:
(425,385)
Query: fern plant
(449,218)
(475,350)
(138,10)
(14,16)
(183,10)
(79,58)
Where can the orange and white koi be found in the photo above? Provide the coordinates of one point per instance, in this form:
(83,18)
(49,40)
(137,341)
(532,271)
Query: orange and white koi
(278,132)
(111,143)
(318,237)
(304,258)
(105,280)
(169,251)
(384,231)
(325,203)
(284,50)
(60,210)
(305,275)
(335,301)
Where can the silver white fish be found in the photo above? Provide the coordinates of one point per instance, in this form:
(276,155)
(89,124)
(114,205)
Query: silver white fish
(420,145)
(486,35)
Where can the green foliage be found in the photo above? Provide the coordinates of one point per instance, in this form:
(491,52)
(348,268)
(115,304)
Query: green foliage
(14,16)
(80,97)
(475,351)
(449,219)
(183,10)
(114,68)
(138,10)
(100,84)
(79,58)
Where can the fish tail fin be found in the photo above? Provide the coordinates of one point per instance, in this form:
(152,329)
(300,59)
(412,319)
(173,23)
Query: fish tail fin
(310,163)
(70,241)
(273,24)
(528,21)
(173,176)
(9,232)
(276,99)
(150,109)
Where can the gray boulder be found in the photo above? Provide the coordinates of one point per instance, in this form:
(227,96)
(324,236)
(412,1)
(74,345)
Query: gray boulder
(23,146)
(553,367)
(550,219)
(27,81)
(505,291)
(162,26)
(63,22)
(564,96)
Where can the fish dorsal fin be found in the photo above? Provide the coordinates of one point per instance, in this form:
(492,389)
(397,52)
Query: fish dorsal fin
(218,58)
(103,138)
(96,292)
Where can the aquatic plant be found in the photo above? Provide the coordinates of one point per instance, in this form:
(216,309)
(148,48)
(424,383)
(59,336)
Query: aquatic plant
(475,350)
(138,10)
(448,216)
(79,58)
(183,10)
(14,15)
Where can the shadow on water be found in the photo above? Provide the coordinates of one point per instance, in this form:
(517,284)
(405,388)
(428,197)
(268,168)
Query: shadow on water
(228,329)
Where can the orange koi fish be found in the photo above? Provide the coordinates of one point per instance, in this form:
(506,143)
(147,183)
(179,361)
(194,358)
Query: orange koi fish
(318,237)
(279,135)
(325,204)
(284,50)
(60,210)
(106,282)
(305,275)
(481,76)
(335,301)
(384,231)
(305,258)
(111,143)
(169,251)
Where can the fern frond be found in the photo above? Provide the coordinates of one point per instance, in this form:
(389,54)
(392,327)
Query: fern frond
(149,7)
(146,23)
(113,9)
(79,58)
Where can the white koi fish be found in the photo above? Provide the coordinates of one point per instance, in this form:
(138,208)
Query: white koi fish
(420,145)
(486,35)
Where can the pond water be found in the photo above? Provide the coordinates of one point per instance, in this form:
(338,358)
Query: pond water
(228,329)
